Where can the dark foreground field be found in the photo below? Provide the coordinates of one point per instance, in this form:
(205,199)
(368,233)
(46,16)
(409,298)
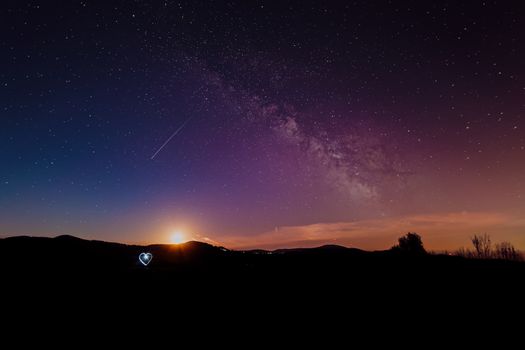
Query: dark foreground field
(75,280)
(47,264)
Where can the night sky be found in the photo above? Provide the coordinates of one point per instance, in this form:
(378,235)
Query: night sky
(299,123)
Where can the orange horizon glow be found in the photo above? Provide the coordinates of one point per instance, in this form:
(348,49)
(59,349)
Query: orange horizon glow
(439,231)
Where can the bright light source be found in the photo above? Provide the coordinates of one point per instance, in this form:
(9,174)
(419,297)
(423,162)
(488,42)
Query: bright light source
(178,238)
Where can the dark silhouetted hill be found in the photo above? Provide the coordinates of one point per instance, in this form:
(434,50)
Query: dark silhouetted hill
(71,267)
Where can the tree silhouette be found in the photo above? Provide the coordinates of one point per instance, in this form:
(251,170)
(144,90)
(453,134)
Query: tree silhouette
(483,246)
(411,243)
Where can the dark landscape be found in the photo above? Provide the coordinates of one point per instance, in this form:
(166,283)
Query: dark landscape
(51,264)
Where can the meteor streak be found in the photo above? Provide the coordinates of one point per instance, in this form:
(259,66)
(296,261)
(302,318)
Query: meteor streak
(172,136)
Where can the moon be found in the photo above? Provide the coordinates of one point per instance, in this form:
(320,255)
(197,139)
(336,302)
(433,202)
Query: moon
(178,237)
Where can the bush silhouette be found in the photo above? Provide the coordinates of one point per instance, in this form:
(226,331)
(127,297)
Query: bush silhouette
(410,243)
(483,249)
(506,251)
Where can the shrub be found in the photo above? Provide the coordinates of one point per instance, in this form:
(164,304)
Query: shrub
(483,250)
(506,251)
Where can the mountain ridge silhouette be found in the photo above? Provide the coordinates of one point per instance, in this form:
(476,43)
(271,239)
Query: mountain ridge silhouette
(64,262)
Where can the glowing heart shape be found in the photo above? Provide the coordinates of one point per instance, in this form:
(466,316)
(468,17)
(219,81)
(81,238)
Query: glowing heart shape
(145,258)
